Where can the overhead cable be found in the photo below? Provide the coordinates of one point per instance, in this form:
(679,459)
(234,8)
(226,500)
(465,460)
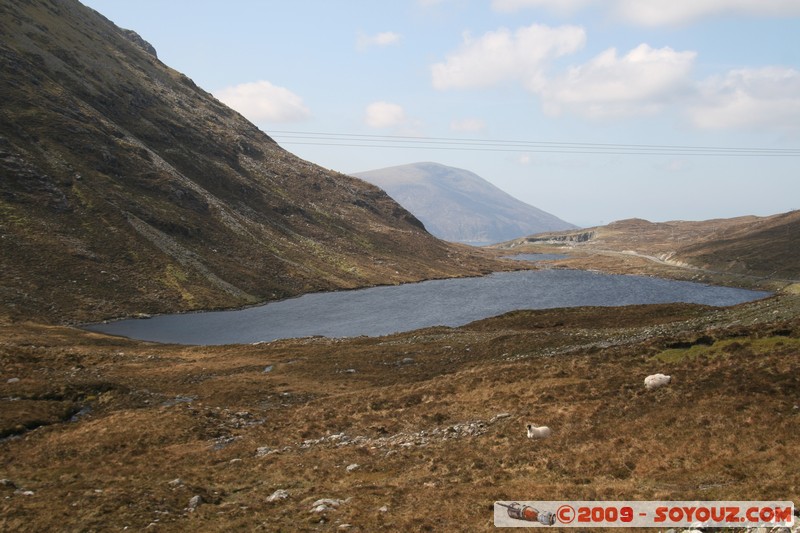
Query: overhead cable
(504,145)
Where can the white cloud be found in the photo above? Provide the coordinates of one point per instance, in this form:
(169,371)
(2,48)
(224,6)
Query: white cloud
(673,12)
(558,6)
(642,81)
(660,12)
(502,55)
(468,125)
(380,39)
(765,98)
(263,101)
(384,115)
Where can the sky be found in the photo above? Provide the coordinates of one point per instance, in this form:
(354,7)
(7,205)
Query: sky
(592,110)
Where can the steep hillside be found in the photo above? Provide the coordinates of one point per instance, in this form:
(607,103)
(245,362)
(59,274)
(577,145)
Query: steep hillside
(126,188)
(460,206)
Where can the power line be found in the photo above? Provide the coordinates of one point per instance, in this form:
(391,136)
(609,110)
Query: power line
(496,145)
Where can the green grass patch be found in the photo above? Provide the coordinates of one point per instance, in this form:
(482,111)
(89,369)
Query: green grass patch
(723,348)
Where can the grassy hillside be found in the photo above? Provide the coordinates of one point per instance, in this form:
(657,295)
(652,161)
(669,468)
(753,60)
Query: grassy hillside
(769,247)
(749,251)
(126,188)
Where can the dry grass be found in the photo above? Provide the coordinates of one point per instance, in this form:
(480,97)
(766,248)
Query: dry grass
(415,411)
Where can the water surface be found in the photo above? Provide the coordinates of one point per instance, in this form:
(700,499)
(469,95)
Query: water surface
(453,302)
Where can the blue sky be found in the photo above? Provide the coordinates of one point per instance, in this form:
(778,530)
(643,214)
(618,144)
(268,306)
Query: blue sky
(588,73)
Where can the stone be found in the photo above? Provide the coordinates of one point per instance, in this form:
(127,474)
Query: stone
(279,494)
(262,451)
(195,502)
(352,467)
(499,416)
(325,504)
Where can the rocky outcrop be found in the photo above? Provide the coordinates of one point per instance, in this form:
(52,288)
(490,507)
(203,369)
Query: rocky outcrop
(139,41)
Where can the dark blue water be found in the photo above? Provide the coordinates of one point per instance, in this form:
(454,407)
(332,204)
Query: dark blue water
(453,302)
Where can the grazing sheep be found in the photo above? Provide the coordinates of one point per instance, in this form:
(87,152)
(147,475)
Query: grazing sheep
(656,380)
(538,432)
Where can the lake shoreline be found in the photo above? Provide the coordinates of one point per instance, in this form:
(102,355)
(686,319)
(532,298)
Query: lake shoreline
(387,309)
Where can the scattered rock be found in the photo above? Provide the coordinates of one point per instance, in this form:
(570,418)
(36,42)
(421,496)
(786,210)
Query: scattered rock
(234,461)
(8,484)
(352,467)
(384,509)
(223,442)
(176,482)
(194,503)
(263,451)
(325,504)
(407,361)
(499,416)
(279,494)
(13,380)
(268,369)
(350,371)
(343,527)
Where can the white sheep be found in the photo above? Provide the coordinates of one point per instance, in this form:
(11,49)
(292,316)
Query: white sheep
(656,380)
(538,432)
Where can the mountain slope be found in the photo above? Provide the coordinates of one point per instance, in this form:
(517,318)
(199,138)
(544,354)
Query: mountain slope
(126,188)
(460,206)
(765,248)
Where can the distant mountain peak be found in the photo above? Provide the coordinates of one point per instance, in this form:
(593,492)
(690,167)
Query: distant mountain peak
(458,205)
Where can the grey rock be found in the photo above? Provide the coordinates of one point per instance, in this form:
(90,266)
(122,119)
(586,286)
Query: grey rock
(263,451)
(137,39)
(279,494)
(325,504)
(195,502)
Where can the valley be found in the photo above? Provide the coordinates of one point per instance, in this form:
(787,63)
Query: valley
(129,191)
(417,431)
